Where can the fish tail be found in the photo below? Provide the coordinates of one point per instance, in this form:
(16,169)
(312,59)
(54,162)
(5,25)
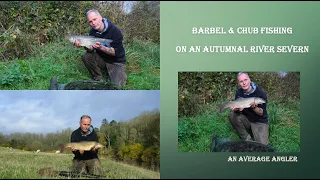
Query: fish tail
(108,41)
(222,107)
(61,147)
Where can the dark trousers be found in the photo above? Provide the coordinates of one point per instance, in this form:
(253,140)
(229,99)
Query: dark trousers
(90,166)
(243,126)
(95,64)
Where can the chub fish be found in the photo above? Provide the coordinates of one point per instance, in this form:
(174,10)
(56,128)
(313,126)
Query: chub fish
(242,103)
(88,41)
(84,145)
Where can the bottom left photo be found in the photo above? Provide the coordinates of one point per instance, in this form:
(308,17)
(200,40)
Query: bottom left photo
(80,134)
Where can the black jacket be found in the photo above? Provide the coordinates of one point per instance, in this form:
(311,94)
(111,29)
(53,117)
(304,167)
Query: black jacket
(248,112)
(77,136)
(113,33)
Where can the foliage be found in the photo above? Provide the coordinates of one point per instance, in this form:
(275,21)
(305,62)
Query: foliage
(20,72)
(25,24)
(64,61)
(198,88)
(135,151)
(148,27)
(129,140)
(29,23)
(188,129)
(278,87)
(18,164)
(151,157)
(131,153)
(102,138)
(195,134)
(143,65)
(201,93)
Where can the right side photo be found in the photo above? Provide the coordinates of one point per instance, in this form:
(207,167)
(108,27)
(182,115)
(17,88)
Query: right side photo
(239,111)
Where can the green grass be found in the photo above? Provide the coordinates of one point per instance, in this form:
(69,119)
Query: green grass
(284,121)
(143,60)
(63,60)
(17,164)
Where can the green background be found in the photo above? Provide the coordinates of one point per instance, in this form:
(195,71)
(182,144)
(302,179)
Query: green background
(177,21)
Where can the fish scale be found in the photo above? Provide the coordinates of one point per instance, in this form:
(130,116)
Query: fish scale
(242,103)
(88,41)
(84,145)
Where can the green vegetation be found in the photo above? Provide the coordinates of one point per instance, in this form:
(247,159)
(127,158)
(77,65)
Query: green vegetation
(63,60)
(201,95)
(18,164)
(195,134)
(143,66)
(135,142)
(33,47)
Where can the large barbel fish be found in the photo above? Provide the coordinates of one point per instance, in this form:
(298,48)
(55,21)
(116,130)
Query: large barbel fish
(88,41)
(242,103)
(84,145)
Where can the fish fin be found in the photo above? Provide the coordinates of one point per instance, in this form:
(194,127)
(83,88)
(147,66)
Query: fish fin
(240,98)
(222,107)
(108,42)
(89,47)
(61,147)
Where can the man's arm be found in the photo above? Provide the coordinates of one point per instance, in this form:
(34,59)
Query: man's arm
(88,49)
(116,49)
(257,110)
(105,49)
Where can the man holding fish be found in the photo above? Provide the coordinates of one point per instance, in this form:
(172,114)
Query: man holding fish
(249,110)
(108,56)
(84,144)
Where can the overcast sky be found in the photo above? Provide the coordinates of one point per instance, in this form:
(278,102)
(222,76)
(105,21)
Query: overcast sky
(51,111)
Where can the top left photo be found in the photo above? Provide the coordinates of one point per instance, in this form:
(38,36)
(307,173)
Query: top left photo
(80,45)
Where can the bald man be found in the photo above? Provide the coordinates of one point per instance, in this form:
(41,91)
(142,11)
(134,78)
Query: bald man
(253,120)
(86,162)
(101,58)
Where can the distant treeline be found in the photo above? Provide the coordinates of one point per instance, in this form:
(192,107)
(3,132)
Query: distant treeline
(136,141)
(196,88)
(25,24)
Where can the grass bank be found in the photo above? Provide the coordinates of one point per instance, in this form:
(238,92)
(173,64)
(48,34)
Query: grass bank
(284,123)
(63,60)
(18,164)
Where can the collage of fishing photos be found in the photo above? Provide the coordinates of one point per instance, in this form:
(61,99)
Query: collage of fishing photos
(80,88)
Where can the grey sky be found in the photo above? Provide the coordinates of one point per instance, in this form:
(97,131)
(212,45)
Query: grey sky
(52,111)
(128,6)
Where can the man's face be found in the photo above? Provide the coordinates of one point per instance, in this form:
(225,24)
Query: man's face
(244,82)
(85,124)
(95,21)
